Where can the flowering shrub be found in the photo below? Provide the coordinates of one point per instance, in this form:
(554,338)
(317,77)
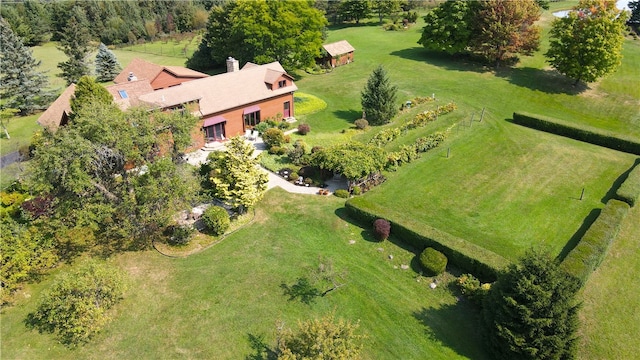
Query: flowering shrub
(303,129)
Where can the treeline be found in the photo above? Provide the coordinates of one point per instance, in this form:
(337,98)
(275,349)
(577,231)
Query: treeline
(110,22)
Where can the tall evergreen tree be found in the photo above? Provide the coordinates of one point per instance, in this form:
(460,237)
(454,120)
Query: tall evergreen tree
(379,98)
(22,85)
(107,66)
(531,311)
(587,44)
(74,42)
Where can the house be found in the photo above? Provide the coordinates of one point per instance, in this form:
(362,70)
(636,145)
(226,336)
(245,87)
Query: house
(160,77)
(57,114)
(338,53)
(230,103)
(127,94)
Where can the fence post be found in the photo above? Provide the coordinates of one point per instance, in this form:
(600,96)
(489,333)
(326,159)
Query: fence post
(582,194)
(448,152)
(482,115)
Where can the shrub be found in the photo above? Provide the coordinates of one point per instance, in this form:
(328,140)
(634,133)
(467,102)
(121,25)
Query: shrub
(181,234)
(216,220)
(577,132)
(297,152)
(361,124)
(262,127)
(433,261)
(277,150)
(293,176)
(342,193)
(381,229)
(273,137)
(316,148)
(303,129)
(356,190)
(283,125)
(594,245)
(471,287)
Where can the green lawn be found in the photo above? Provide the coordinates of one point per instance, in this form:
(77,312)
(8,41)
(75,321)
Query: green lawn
(208,305)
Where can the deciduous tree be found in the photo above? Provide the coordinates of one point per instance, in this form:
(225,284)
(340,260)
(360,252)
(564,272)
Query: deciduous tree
(587,43)
(448,27)
(235,175)
(23,87)
(88,92)
(531,312)
(379,98)
(355,10)
(107,66)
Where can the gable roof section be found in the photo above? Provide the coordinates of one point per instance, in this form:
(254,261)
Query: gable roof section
(51,118)
(145,70)
(126,94)
(338,48)
(225,91)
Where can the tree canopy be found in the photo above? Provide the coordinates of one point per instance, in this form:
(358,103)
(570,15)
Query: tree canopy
(107,66)
(74,42)
(531,311)
(22,85)
(88,92)
(496,30)
(379,98)
(262,31)
(587,43)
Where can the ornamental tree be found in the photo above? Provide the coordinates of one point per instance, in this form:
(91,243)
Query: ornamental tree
(587,44)
(235,175)
(23,86)
(531,312)
(379,98)
(107,66)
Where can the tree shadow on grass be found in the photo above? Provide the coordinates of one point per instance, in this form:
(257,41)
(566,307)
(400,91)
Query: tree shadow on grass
(301,290)
(261,351)
(456,326)
(443,60)
(547,81)
(575,239)
(349,116)
(616,184)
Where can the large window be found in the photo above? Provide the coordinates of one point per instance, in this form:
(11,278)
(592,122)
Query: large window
(215,132)
(252,119)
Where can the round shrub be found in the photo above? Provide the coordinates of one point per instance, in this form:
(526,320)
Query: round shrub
(381,229)
(433,261)
(277,150)
(273,137)
(361,124)
(216,220)
(356,190)
(181,235)
(341,193)
(303,129)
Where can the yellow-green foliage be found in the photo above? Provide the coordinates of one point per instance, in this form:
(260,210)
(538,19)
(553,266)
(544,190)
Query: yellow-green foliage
(306,104)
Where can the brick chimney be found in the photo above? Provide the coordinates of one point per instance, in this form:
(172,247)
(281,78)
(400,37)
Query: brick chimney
(232,64)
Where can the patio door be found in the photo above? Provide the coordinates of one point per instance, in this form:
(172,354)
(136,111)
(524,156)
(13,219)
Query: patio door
(287,109)
(215,132)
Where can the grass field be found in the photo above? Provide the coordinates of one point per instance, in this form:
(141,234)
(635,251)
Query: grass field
(211,304)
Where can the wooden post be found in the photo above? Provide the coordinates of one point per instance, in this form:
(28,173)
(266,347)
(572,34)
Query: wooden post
(482,115)
(448,152)
(582,194)
(472,115)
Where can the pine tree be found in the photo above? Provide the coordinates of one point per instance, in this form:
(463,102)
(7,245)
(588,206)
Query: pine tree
(107,66)
(379,98)
(74,43)
(531,311)
(22,86)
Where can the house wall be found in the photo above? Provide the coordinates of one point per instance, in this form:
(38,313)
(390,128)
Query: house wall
(165,79)
(235,117)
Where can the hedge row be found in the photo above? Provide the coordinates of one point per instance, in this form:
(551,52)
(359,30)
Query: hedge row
(408,153)
(577,132)
(592,248)
(629,191)
(467,256)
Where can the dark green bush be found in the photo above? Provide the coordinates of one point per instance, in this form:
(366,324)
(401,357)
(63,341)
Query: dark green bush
(273,137)
(342,193)
(433,261)
(629,191)
(577,132)
(469,257)
(181,235)
(592,248)
(216,220)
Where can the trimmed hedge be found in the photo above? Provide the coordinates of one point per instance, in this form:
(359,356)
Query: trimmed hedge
(629,191)
(467,256)
(577,132)
(592,248)
(216,220)
(433,261)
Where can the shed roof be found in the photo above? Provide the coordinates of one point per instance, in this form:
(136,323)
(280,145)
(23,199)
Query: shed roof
(338,48)
(225,91)
(51,118)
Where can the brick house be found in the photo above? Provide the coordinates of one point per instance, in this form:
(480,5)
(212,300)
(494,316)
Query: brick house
(230,103)
(160,77)
(338,53)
